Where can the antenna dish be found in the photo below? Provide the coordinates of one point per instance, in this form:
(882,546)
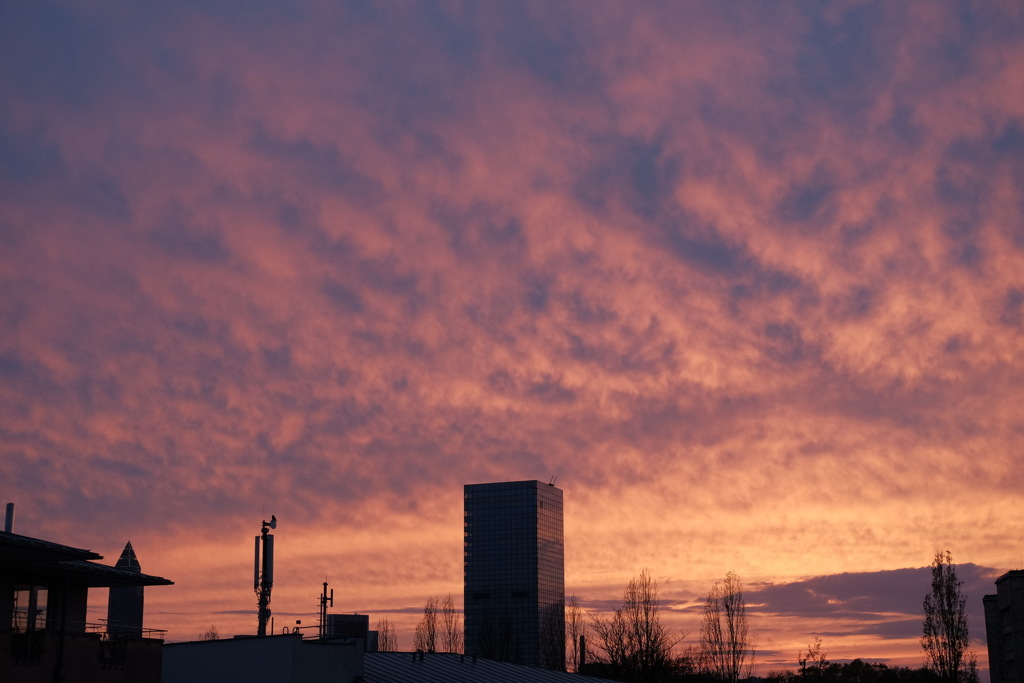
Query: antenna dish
(273,521)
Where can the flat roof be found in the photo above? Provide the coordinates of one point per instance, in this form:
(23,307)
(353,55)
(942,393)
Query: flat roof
(444,667)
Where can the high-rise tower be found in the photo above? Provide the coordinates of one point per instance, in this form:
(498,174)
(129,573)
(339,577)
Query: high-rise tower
(515,572)
(125,604)
(1004,626)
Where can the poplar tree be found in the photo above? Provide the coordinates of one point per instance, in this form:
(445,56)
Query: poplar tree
(945,636)
(387,638)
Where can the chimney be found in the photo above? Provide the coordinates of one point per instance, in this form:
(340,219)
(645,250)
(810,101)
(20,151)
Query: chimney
(9,521)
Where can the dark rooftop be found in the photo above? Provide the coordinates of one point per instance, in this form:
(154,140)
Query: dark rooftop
(440,667)
(19,554)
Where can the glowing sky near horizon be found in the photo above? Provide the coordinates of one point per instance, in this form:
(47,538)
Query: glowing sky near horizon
(747,277)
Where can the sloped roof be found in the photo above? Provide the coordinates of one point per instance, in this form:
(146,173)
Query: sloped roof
(443,667)
(25,549)
(100,575)
(24,556)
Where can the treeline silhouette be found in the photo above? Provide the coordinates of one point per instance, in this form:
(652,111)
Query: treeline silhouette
(857,671)
(686,670)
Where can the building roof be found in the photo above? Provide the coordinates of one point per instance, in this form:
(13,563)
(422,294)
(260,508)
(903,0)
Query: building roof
(100,575)
(1012,574)
(128,560)
(443,667)
(27,556)
(15,548)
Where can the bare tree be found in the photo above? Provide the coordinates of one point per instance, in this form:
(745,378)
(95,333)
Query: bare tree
(426,631)
(451,631)
(635,644)
(812,661)
(387,637)
(610,636)
(945,638)
(575,626)
(725,650)
(552,637)
(211,634)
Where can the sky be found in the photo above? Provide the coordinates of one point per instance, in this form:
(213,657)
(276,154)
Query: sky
(746,277)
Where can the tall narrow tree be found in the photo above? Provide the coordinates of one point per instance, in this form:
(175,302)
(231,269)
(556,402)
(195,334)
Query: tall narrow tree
(451,630)
(552,637)
(387,638)
(945,637)
(425,638)
(725,651)
(575,626)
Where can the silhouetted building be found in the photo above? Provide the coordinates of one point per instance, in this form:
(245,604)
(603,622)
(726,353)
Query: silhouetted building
(515,573)
(125,605)
(446,667)
(44,634)
(287,658)
(1004,628)
(352,626)
(293,658)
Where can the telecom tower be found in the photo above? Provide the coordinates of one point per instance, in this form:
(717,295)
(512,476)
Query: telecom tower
(263,572)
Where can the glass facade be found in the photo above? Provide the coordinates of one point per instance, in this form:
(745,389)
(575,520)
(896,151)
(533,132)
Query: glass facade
(515,573)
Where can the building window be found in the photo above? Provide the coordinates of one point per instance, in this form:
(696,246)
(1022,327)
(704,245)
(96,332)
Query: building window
(29,608)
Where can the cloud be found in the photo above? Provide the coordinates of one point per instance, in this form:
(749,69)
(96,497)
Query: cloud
(745,279)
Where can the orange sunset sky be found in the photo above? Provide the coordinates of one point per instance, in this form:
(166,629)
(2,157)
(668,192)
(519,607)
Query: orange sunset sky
(747,277)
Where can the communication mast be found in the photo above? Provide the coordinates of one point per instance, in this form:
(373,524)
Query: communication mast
(325,599)
(263,572)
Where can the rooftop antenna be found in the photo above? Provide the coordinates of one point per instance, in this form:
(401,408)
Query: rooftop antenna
(263,572)
(553,480)
(324,600)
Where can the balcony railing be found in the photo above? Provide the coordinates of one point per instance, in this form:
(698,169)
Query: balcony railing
(30,646)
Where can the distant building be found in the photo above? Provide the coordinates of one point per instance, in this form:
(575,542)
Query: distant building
(515,573)
(354,626)
(126,604)
(1004,628)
